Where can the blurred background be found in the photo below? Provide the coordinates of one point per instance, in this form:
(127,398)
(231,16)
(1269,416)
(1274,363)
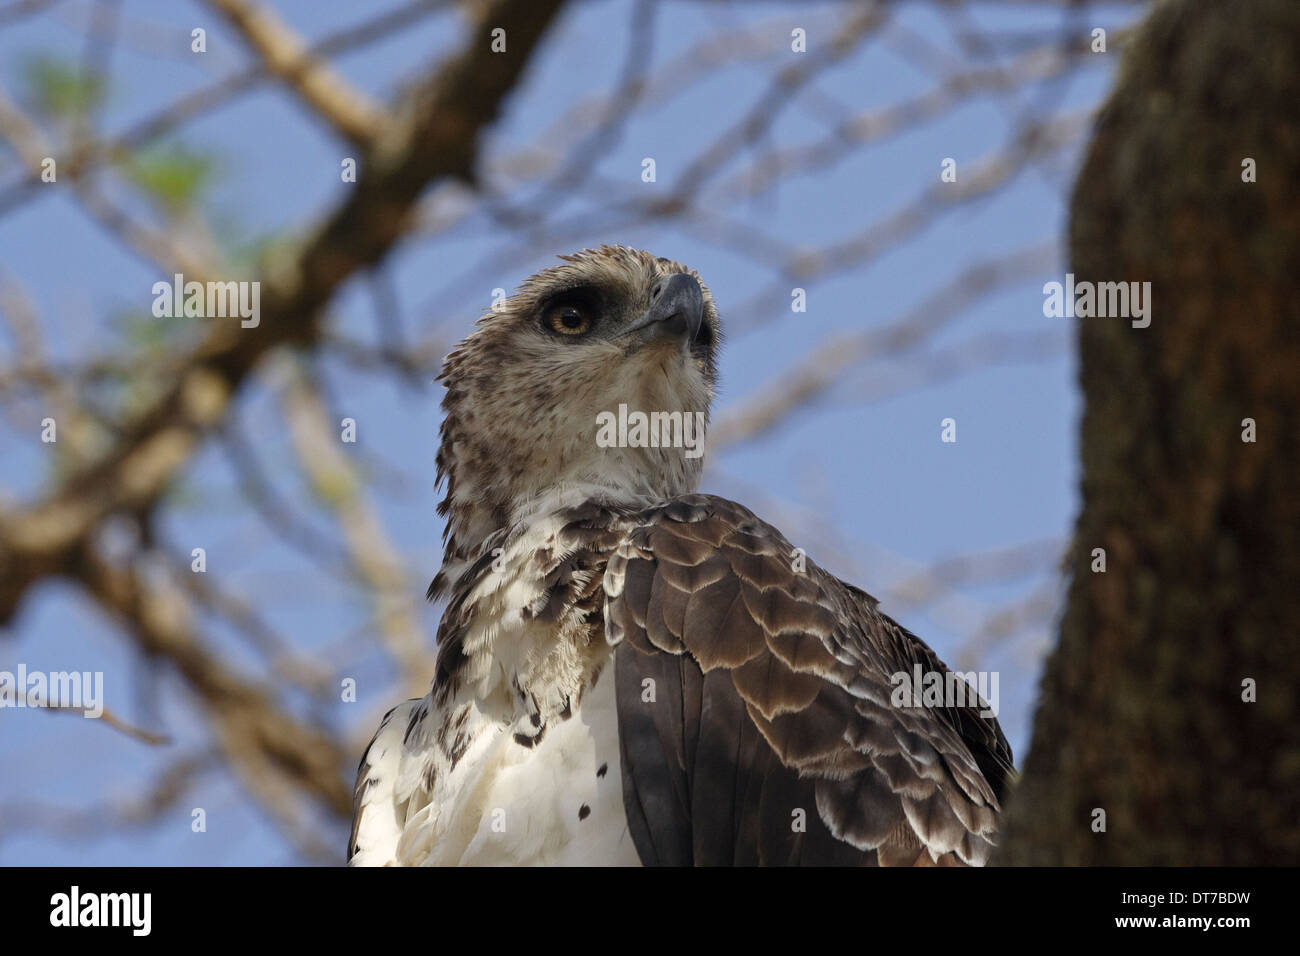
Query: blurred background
(795,146)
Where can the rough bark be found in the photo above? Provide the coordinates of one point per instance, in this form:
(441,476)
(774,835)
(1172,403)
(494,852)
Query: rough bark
(1141,711)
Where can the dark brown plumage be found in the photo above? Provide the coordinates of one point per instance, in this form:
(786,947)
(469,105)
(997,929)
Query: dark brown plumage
(771,696)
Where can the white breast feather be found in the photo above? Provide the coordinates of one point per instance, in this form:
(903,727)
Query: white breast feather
(379,824)
(503,803)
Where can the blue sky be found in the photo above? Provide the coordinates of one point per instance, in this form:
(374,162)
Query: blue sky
(861,474)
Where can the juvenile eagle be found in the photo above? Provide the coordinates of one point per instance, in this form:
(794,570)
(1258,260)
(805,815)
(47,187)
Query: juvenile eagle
(631,672)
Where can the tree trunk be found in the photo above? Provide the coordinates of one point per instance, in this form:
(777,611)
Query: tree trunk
(1141,711)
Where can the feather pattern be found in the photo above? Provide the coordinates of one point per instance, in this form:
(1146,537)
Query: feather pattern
(627,670)
(772,698)
(753,720)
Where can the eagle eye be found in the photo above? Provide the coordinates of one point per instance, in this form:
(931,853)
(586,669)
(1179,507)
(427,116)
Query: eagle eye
(568,315)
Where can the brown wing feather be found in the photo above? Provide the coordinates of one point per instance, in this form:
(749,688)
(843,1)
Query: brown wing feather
(782,679)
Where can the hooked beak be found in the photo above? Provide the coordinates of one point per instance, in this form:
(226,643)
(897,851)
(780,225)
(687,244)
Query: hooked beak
(676,308)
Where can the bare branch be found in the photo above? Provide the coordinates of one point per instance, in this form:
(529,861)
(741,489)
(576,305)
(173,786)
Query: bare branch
(377,562)
(286,55)
(826,366)
(99,820)
(245,717)
(436,135)
(111,719)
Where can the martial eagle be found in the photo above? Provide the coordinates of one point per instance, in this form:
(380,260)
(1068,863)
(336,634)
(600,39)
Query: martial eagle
(632,672)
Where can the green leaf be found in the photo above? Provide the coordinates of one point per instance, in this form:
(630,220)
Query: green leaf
(58,89)
(174,175)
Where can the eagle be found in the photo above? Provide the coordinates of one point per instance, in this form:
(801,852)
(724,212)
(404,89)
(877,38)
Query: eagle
(630,672)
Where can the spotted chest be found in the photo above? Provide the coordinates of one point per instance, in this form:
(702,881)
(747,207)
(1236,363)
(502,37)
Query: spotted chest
(513,757)
(553,797)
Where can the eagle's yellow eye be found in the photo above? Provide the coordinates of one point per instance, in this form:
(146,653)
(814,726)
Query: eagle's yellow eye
(567,319)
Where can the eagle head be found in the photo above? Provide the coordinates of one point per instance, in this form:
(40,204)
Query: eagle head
(594,379)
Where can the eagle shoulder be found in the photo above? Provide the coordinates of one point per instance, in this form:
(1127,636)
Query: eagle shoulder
(755,714)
